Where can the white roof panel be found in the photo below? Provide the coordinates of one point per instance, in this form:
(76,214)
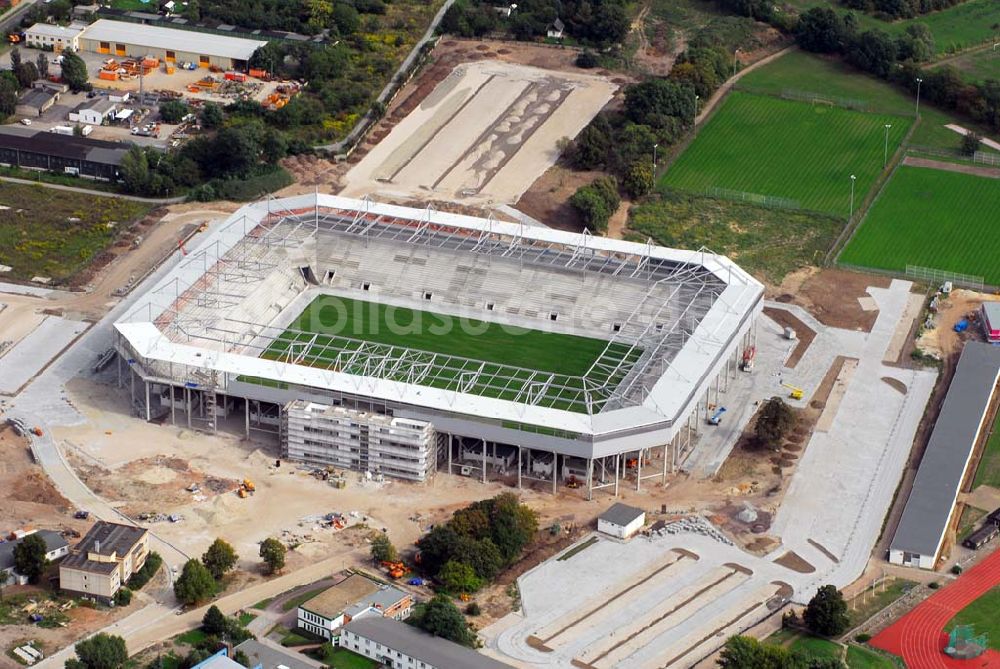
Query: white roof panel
(155,37)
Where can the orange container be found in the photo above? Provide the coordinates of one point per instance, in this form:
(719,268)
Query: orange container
(107,75)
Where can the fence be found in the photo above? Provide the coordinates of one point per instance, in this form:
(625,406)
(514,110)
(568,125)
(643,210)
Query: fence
(983,158)
(753,198)
(938,277)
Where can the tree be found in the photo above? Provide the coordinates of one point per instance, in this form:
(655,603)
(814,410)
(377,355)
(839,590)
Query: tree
(239,657)
(774,421)
(29,557)
(437,547)
(970,143)
(826,613)
(458,577)
(742,652)
(211,115)
(653,102)
(219,558)
(8,93)
(193,11)
(4,575)
(638,179)
(273,553)
(592,209)
(15,58)
(822,30)
(591,147)
(382,549)
(26,74)
(172,111)
(123,597)
(102,651)
(586,59)
(135,170)
(274,147)
(214,621)
(442,618)
(74,71)
(195,583)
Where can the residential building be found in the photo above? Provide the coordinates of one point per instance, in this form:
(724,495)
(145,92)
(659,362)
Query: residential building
(555,29)
(271,657)
(621,521)
(57,38)
(220,660)
(961,424)
(81,156)
(369,442)
(124,39)
(354,597)
(94,111)
(35,101)
(401,646)
(56,549)
(104,560)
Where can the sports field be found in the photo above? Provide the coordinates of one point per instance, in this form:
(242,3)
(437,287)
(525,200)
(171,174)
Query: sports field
(931,218)
(984,616)
(331,326)
(786,149)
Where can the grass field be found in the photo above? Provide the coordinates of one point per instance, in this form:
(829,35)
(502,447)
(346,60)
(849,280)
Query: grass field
(865,605)
(988,471)
(803,71)
(815,648)
(46,232)
(982,615)
(977,66)
(340,324)
(766,242)
(933,219)
(780,148)
(968,522)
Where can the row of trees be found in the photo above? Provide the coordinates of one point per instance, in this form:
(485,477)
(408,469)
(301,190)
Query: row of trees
(477,543)
(22,74)
(595,22)
(309,17)
(899,9)
(201,580)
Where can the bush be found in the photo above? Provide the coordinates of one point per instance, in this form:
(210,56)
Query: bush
(586,59)
(596,203)
(933,585)
(863,638)
(123,597)
(267,180)
(956,569)
(149,569)
(473,609)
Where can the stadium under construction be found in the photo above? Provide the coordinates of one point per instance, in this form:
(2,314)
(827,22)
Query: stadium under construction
(400,342)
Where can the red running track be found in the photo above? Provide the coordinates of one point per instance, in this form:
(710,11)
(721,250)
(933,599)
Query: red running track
(919,637)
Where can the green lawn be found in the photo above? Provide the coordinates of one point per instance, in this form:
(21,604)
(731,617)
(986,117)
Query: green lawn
(960,27)
(340,325)
(863,607)
(862,658)
(969,521)
(341,658)
(246,618)
(766,242)
(931,218)
(988,471)
(780,148)
(982,615)
(47,232)
(192,637)
(979,65)
(804,71)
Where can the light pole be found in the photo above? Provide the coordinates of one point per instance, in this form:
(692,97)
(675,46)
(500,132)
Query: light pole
(853,179)
(696,98)
(885,151)
(654,158)
(735,53)
(919,81)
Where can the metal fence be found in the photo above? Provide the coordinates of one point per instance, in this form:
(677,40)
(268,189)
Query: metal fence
(983,158)
(753,198)
(825,99)
(938,277)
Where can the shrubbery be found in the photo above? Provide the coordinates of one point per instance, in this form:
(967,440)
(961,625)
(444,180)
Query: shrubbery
(149,569)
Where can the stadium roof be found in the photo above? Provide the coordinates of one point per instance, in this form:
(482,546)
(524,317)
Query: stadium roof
(187,41)
(943,467)
(666,386)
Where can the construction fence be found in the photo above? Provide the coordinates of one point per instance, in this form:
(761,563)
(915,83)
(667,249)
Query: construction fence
(771,201)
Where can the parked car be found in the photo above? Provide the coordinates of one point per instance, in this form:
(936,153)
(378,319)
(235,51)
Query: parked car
(25,121)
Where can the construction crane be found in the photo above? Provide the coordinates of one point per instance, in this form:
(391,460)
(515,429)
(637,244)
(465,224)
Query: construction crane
(796,393)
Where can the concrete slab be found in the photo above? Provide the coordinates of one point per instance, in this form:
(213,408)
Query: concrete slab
(33,352)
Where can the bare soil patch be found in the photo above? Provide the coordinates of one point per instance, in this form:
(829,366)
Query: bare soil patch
(975,170)
(831,295)
(795,562)
(548,198)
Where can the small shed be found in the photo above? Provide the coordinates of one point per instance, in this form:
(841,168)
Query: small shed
(621,521)
(34,102)
(991,321)
(555,30)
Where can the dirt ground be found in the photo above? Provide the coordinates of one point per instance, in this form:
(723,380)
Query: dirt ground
(942,341)
(548,198)
(803,333)
(31,501)
(979,171)
(831,295)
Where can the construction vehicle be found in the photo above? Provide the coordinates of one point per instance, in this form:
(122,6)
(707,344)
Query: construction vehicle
(246,489)
(249,486)
(396,569)
(716,417)
(572,482)
(15,38)
(749,354)
(796,393)
(37,431)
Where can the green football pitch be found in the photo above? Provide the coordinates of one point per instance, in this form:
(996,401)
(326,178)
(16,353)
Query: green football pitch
(931,218)
(507,359)
(767,147)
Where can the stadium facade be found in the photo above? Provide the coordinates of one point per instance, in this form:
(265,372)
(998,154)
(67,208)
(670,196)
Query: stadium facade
(226,339)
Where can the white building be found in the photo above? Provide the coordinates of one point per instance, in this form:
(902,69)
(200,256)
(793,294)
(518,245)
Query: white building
(330,435)
(401,646)
(93,112)
(621,521)
(353,598)
(58,38)
(56,549)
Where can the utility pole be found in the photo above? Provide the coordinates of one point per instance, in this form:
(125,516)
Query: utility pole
(885,151)
(853,179)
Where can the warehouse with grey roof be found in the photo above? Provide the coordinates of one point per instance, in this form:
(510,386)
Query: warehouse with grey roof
(927,516)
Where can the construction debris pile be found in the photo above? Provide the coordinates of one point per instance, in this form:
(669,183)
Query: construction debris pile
(127,69)
(693,525)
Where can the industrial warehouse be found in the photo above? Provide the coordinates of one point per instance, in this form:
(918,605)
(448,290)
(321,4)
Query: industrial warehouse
(126,39)
(68,154)
(639,340)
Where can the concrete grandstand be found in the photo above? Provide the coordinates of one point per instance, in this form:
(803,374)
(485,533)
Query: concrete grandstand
(418,315)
